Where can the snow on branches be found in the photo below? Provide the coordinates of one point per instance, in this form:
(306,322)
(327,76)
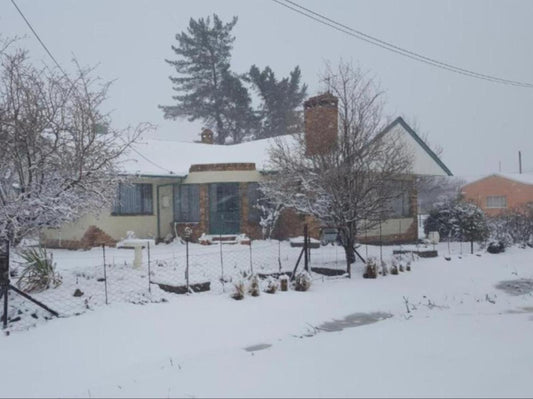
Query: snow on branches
(351,184)
(59,156)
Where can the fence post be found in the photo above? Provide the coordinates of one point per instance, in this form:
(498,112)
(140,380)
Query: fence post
(5,295)
(149,270)
(187,264)
(221,264)
(380,243)
(279,255)
(105,274)
(366,240)
(251,264)
(4,280)
(306,248)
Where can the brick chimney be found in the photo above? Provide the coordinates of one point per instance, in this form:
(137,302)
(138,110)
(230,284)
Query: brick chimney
(206,136)
(320,123)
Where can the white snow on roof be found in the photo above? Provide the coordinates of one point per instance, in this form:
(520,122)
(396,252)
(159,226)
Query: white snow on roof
(168,158)
(525,178)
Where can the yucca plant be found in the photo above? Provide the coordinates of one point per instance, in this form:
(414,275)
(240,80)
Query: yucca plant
(38,273)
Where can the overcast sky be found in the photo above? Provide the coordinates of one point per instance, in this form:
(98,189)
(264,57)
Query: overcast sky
(478,124)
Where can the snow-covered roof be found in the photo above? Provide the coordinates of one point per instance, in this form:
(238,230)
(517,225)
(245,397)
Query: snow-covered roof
(152,157)
(524,178)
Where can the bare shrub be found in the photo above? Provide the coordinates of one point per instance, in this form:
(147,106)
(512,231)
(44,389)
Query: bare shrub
(271,286)
(302,282)
(371,269)
(254,289)
(238,290)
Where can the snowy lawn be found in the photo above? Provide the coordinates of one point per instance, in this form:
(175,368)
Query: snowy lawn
(451,332)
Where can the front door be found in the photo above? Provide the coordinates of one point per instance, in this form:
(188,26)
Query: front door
(224,208)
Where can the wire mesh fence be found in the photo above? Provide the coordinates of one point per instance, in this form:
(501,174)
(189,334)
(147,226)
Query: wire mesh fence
(103,276)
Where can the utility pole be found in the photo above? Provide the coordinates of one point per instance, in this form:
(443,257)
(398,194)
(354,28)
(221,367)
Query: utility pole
(520,162)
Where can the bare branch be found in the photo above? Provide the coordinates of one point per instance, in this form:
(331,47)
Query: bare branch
(60,156)
(353,184)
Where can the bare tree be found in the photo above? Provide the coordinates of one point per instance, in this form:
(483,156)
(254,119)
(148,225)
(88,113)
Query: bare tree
(433,190)
(59,154)
(352,183)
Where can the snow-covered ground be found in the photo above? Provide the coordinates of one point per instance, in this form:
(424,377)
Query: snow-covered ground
(442,329)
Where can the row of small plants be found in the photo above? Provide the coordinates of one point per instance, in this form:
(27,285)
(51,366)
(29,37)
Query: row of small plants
(253,285)
(398,264)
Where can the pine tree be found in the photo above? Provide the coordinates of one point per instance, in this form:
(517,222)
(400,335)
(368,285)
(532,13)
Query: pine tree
(206,88)
(280,100)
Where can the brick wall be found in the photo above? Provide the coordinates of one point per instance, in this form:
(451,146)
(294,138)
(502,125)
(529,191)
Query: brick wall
(321,123)
(93,237)
(221,167)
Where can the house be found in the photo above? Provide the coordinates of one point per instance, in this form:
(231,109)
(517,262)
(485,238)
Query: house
(497,193)
(212,189)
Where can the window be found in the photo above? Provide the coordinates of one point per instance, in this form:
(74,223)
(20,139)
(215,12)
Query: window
(253,200)
(400,205)
(134,199)
(187,203)
(496,201)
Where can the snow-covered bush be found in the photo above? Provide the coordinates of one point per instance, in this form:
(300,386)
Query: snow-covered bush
(496,247)
(271,285)
(239,289)
(302,282)
(384,268)
(284,282)
(38,273)
(513,227)
(458,220)
(371,268)
(254,289)
(394,265)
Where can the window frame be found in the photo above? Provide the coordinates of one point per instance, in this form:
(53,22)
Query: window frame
(143,196)
(193,197)
(403,196)
(494,197)
(253,192)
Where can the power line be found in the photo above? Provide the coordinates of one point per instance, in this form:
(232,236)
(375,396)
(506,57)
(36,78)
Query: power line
(393,48)
(38,38)
(65,74)
(149,160)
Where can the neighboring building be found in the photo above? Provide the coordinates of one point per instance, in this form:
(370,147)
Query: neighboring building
(498,193)
(213,188)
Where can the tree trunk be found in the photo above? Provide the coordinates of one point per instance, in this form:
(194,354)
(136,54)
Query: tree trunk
(350,258)
(348,241)
(472,247)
